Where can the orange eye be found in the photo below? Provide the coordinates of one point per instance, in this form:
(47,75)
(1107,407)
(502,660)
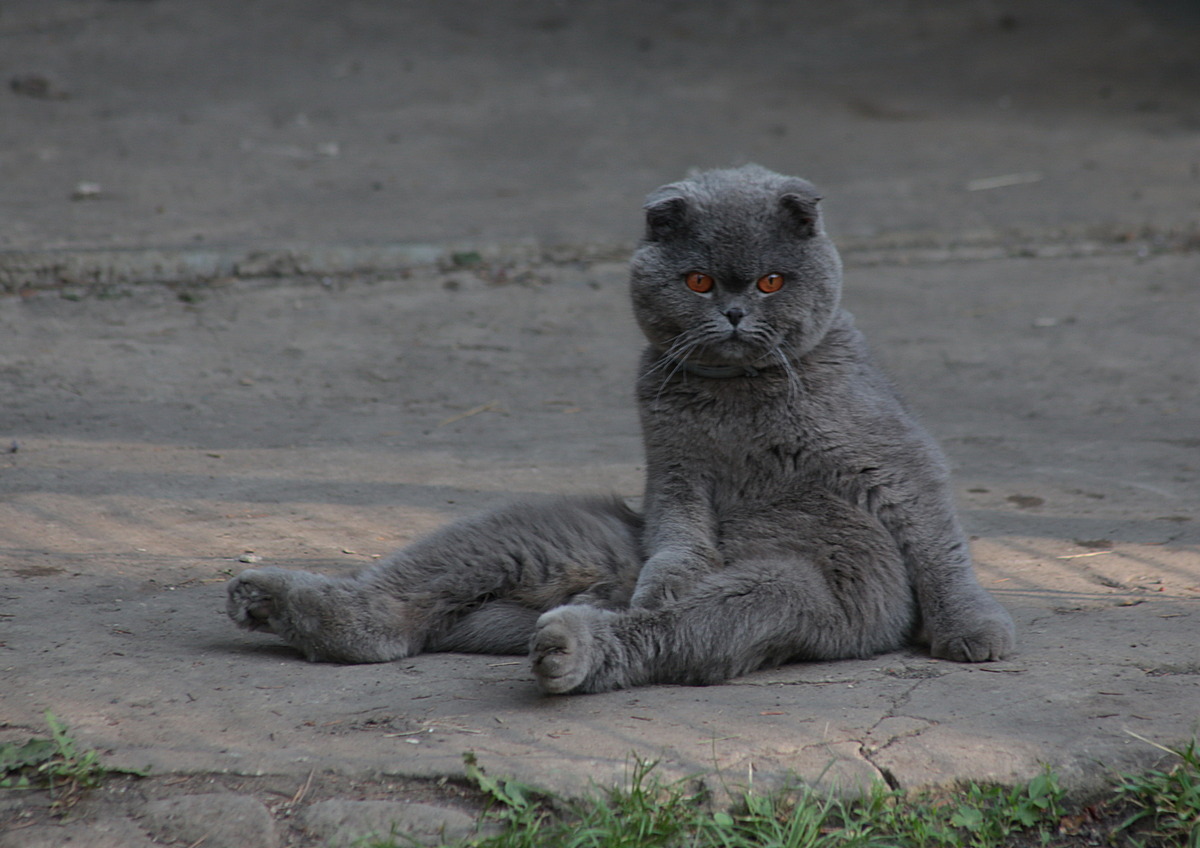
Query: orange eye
(770,284)
(700,283)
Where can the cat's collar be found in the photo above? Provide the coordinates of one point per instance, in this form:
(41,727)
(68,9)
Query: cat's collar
(718,372)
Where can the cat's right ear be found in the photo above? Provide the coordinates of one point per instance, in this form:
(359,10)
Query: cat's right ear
(666,210)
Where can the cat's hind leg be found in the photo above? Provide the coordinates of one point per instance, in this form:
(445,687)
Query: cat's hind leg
(497,627)
(724,628)
(475,585)
(841,592)
(325,618)
(732,624)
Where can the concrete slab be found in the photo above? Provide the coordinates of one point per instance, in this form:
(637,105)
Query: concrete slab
(1015,188)
(160,440)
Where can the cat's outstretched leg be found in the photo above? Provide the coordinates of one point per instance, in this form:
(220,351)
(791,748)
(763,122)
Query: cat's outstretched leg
(476,585)
(325,618)
(759,614)
(345,620)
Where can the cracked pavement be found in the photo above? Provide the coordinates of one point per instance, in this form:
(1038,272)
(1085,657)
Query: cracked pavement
(242,421)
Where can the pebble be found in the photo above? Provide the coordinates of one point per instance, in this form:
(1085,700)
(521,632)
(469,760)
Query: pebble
(87,191)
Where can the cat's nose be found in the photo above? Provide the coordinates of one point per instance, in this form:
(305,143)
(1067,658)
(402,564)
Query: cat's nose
(735,314)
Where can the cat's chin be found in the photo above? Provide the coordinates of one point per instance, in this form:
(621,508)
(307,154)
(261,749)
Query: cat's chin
(733,353)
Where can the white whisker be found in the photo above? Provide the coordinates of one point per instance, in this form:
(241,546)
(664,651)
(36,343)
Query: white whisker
(678,363)
(681,342)
(793,379)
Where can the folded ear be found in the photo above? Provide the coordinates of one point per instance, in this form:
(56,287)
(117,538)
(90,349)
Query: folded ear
(666,210)
(802,211)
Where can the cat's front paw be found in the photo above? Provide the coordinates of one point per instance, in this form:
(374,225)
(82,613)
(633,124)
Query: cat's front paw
(254,597)
(991,638)
(672,574)
(660,592)
(564,648)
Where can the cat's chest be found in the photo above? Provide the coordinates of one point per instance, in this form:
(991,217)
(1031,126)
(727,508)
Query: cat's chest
(732,423)
(758,439)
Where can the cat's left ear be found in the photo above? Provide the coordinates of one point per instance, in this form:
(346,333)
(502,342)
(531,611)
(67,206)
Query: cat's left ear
(802,211)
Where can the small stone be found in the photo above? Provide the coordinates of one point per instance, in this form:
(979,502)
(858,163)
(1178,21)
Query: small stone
(1025,501)
(37,86)
(87,191)
(250,558)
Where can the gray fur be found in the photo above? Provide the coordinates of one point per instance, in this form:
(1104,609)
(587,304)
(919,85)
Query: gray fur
(475,585)
(794,509)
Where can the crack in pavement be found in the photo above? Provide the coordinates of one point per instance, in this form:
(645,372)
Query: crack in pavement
(868,751)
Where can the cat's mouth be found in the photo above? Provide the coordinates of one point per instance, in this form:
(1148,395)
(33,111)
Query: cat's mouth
(740,342)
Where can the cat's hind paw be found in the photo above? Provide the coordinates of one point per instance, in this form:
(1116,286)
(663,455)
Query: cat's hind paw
(564,648)
(254,597)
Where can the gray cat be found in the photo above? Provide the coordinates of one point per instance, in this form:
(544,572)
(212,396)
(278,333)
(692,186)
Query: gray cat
(793,510)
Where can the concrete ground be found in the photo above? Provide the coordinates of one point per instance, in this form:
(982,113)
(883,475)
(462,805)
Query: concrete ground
(295,282)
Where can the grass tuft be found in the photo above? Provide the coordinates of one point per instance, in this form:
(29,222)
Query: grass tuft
(56,764)
(975,815)
(1156,809)
(1166,802)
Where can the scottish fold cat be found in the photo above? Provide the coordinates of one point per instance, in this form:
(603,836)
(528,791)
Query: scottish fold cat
(794,508)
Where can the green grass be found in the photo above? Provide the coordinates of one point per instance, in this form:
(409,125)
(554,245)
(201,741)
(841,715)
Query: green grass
(1156,809)
(56,764)
(977,815)
(648,813)
(1167,802)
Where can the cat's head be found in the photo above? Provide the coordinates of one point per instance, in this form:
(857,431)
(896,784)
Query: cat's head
(735,268)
